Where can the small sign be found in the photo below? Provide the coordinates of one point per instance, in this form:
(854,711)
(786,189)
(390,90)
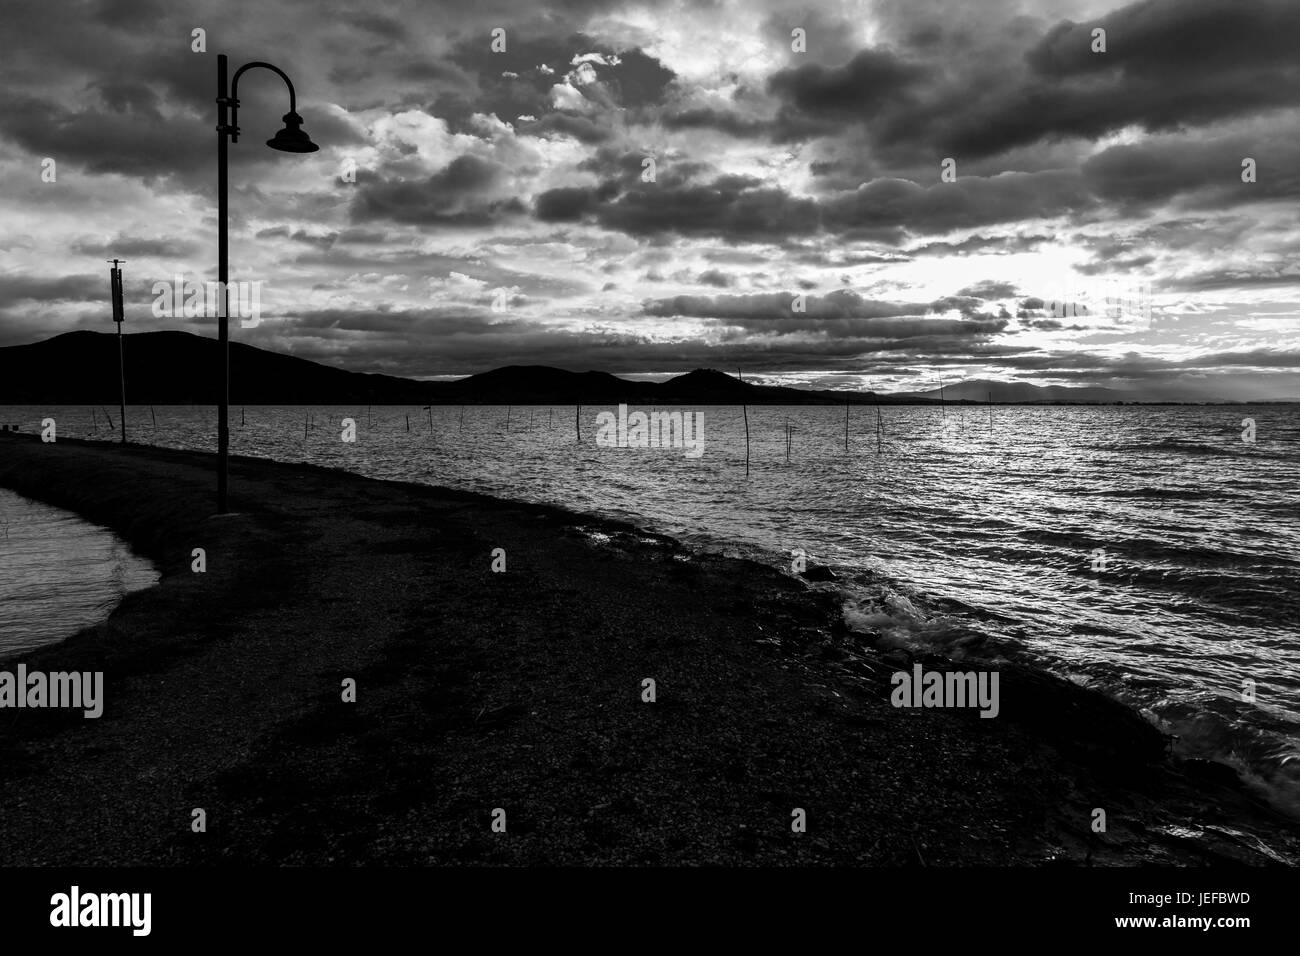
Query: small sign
(115,278)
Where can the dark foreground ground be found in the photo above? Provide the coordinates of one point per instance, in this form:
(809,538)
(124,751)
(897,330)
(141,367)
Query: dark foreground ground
(522,690)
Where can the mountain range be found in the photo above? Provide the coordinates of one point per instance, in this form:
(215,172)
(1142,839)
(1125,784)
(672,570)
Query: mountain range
(178,368)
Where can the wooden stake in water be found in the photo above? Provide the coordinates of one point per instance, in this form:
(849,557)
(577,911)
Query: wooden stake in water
(241,415)
(154,416)
(507,418)
(305,419)
(530,419)
(942,410)
(744,410)
(462,418)
(880,429)
(408,421)
(990,413)
(787,441)
(108,416)
(846,428)
(94,419)
(577,426)
(430,408)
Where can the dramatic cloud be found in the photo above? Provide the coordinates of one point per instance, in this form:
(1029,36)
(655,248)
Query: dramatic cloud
(647,187)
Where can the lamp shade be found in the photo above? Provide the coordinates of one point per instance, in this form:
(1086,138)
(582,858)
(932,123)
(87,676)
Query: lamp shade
(292,139)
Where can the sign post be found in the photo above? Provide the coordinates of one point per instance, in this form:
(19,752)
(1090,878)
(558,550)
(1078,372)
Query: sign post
(115,284)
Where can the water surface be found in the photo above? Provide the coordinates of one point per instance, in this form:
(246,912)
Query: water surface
(1148,551)
(58,573)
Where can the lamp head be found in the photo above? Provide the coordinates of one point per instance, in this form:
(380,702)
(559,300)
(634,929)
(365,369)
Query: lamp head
(292,139)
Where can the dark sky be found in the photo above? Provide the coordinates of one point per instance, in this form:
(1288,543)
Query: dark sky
(1098,231)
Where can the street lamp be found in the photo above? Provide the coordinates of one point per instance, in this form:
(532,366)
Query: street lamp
(291,139)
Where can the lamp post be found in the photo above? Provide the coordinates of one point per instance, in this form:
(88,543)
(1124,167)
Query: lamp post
(291,139)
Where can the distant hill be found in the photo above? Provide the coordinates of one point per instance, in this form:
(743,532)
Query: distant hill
(179,368)
(541,384)
(980,390)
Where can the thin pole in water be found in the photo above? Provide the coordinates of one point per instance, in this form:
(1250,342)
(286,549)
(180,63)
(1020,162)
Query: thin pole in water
(305,419)
(879,428)
(942,409)
(94,419)
(507,418)
(241,416)
(577,426)
(846,427)
(108,416)
(744,409)
(430,408)
(408,421)
(990,413)
(462,418)
(154,416)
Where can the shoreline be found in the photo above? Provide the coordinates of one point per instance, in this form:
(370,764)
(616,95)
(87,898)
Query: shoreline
(522,690)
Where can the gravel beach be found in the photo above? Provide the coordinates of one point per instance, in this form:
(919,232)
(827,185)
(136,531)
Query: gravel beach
(523,690)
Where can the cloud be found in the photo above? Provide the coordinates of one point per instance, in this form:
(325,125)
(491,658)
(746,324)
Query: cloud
(128,247)
(465,192)
(969,202)
(989,289)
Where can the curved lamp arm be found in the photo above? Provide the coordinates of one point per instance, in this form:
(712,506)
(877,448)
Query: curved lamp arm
(233,100)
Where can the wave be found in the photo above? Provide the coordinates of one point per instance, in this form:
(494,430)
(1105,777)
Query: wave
(1261,750)
(1167,494)
(1239,449)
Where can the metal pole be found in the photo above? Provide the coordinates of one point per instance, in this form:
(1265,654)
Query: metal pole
(121,368)
(223,270)
(115,292)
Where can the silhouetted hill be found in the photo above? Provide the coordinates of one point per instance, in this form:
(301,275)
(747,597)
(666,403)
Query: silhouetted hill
(178,368)
(979,390)
(541,384)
